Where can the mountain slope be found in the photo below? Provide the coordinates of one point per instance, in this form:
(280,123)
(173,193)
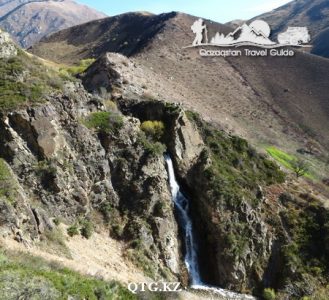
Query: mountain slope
(313,14)
(29,20)
(272,109)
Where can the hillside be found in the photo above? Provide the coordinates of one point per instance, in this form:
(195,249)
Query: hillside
(29,20)
(264,99)
(313,14)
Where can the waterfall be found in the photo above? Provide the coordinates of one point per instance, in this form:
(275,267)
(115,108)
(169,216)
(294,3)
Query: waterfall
(185,223)
(182,206)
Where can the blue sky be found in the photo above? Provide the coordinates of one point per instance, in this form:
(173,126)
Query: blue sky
(217,10)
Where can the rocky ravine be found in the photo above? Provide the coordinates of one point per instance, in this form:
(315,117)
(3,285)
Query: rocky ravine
(62,163)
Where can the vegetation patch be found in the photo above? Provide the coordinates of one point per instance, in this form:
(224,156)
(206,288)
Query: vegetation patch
(79,68)
(151,136)
(236,170)
(269,294)
(87,229)
(151,147)
(308,225)
(7,185)
(141,257)
(104,121)
(291,162)
(84,227)
(153,129)
(73,230)
(24,80)
(26,277)
(53,241)
(281,157)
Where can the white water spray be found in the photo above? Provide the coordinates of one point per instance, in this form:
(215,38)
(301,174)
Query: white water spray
(191,256)
(182,206)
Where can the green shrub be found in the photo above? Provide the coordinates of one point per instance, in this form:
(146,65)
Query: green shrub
(77,69)
(24,80)
(151,147)
(269,294)
(110,105)
(153,129)
(105,122)
(7,186)
(73,230)
(46,168)
(56,221)
(87,229)
(139,256)
(236,169)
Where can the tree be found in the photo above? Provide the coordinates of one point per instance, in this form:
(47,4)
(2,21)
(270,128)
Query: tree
(300,167)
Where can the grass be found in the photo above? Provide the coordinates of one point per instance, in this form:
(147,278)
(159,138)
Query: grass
(104,121)
(53,241)
(150,146)
(281,157)
(151,136)
(79,68)
(24,80)
(229,173)
(308,226)
(24,276)
(286,160)
(236,169)
(7,185)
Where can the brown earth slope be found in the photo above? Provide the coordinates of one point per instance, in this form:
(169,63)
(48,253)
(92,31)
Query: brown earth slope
(269,100)
(311,13)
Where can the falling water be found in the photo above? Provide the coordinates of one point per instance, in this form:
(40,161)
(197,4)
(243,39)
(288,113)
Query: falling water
(191,256)
(182,206)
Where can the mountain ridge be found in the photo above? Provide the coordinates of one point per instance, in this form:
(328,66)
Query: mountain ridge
(28,21)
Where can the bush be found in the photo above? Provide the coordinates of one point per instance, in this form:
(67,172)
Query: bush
(300,167)
(105,122)
(87,229)
(24,80)
(153,129)
(46,168)
(154,148)
(73,230)
(269,294)
(110,105)
(7,186)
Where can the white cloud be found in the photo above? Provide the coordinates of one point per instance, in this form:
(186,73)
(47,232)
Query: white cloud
(267,6)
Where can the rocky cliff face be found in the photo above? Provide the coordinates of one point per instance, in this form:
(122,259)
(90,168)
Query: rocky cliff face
(7,48)
(251,223)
